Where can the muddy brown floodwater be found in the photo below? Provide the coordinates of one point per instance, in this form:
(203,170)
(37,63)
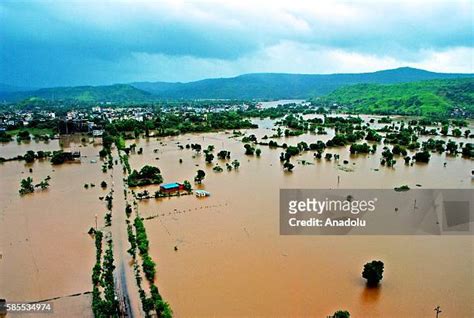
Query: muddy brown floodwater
(231,260)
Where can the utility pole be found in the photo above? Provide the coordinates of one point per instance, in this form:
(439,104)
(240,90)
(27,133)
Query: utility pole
(96,222)
(438,311)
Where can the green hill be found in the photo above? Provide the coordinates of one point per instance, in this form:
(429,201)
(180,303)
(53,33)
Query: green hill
(281,86)
(118,93)
(426,98)
(248,86)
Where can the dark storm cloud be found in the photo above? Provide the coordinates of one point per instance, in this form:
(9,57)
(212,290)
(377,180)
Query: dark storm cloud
(46,43)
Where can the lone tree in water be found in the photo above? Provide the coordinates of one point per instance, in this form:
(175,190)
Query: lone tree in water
(373,272)
(209,157)
(288,166)
(236,164)
(26,186)
(187,186)
(200,176)
(341,314)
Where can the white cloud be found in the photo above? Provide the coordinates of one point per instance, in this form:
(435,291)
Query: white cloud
(291,57)
(187,40)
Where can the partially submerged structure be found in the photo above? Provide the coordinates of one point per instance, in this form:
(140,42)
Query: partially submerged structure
(202,193)
(171,187)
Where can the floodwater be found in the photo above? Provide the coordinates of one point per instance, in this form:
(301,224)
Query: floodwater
(275,103)
(45,249)
(231,260)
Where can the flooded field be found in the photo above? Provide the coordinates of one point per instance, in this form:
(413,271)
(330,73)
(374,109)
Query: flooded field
(230,259)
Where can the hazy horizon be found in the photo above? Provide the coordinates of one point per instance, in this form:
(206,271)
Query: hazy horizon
(48,44)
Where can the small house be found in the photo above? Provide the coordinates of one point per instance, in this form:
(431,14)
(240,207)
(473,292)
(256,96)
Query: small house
(171,187)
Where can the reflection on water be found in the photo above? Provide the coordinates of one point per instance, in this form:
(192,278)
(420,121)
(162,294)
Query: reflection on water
(371,295)
(231,260)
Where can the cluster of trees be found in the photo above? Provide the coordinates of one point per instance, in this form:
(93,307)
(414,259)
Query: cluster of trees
(234,165)
(223,154)
(147,175)
(27,185)
(249,149)
(143,245)
(422,156)
(362,148)
(179,122)
(29,156)
(102,276)
(125,164)
(4,137)
(195,147)
(387,158)
(59,157)
(344,139)
(140,241)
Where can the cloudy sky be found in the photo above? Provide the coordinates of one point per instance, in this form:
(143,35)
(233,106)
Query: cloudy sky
(53,43)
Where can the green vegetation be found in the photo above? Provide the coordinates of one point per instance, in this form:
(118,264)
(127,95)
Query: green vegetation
(199,176)
(4,137)
(25,133)
(155,302)
(223,154)
(59,157)
(171,123)
(341,314)
(187,186)
(29,157)
(360,148)
(112,93)
(26,186)
(102,276)
(434,98)
(247,86)
(423,156)
(209,157)
(217,168)
(147,175)
(402,188)
(373,272)
(249,150)
(288,166)
(236,164)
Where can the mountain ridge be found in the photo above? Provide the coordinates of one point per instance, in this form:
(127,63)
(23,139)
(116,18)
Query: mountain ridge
(245,86)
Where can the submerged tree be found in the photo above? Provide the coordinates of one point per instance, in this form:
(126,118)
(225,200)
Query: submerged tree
(199,176)
(341,314)
(236,164)
(223,154)
(249,150)
(187,186)
(373,272)
(29,156)
(26,186)
(288,166)
(209,157)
